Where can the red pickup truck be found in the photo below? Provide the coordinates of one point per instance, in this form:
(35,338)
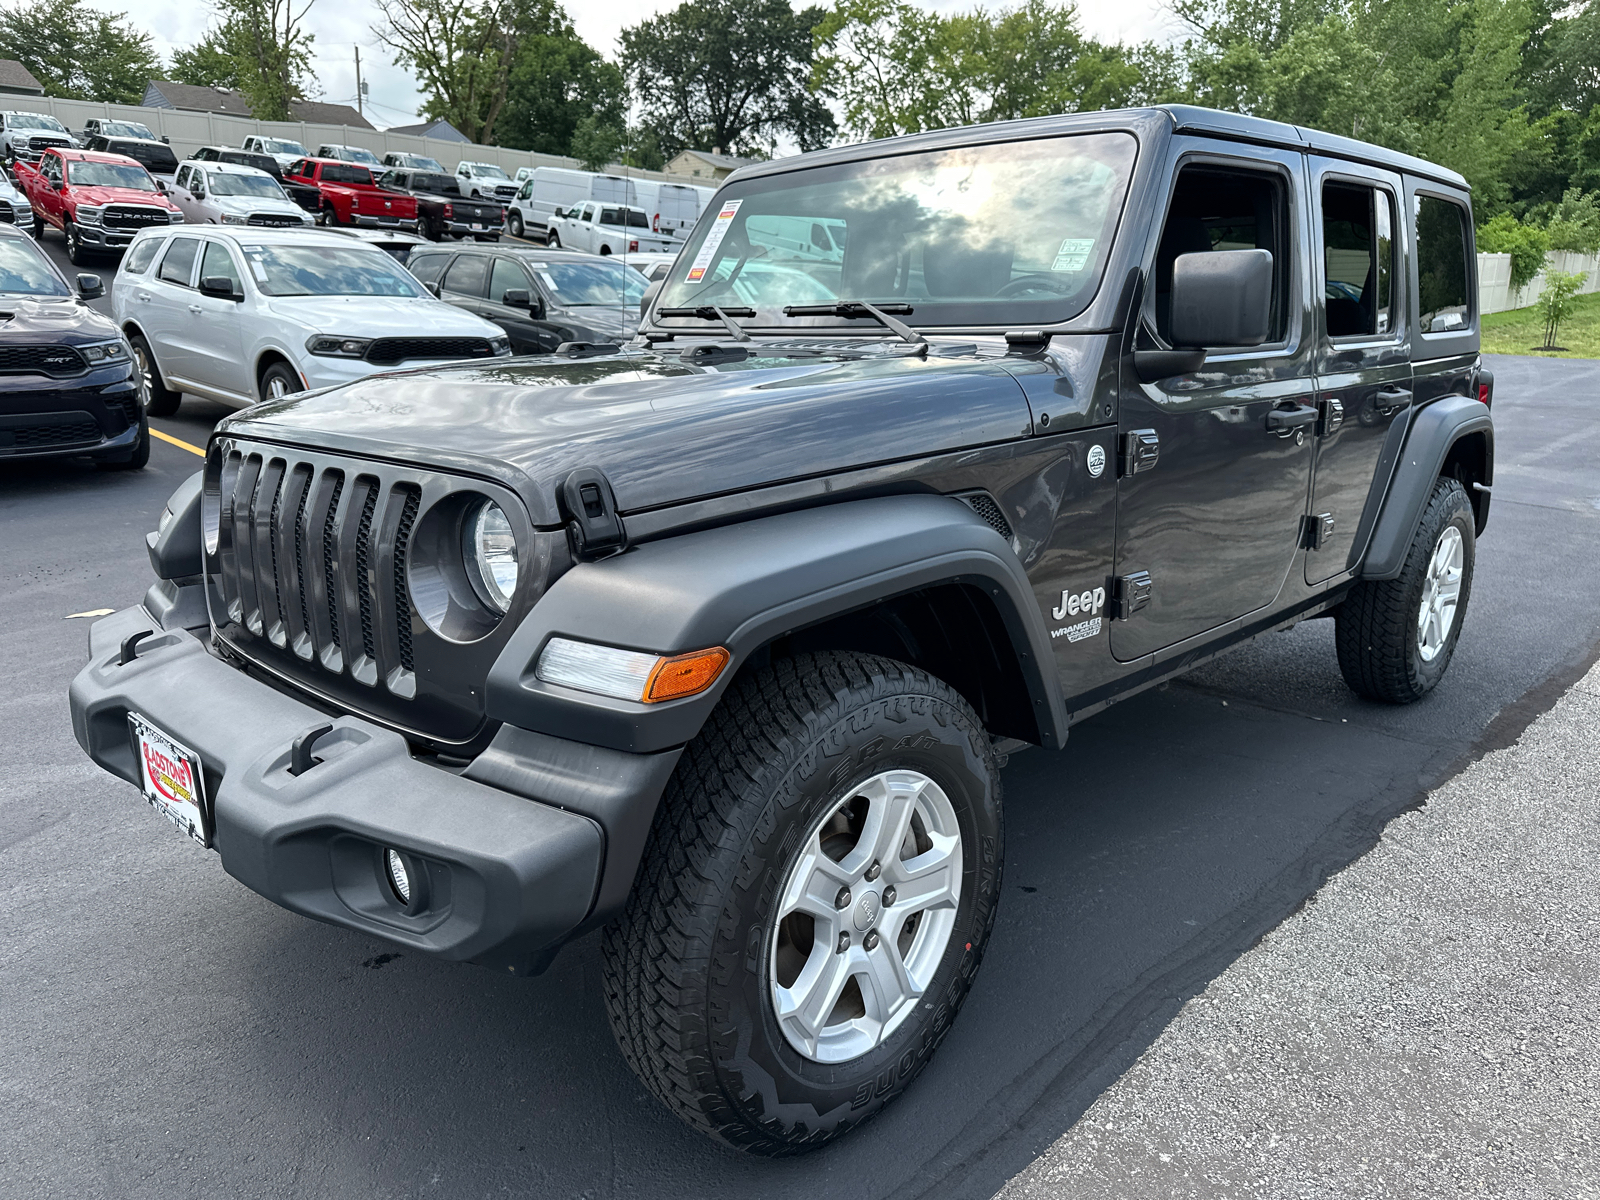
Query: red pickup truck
(98,201)
(351,197)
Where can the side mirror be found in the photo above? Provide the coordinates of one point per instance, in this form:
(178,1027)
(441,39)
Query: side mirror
(61,186)
(219,286)
(649,297)
(165,140)
(90,287)
(515,298)
(432,288)
(1222,298)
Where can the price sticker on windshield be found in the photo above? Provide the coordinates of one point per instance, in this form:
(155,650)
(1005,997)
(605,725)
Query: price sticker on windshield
(719,230)
(1073,255)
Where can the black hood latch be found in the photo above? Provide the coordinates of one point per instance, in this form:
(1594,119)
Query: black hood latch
(594,529)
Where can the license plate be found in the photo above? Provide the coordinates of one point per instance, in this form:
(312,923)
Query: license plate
(477,224)
(170,773)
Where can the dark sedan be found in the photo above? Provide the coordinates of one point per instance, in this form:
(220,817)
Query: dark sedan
(68,384)
(541,298)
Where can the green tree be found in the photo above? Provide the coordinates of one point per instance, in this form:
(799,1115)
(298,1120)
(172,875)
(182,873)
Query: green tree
(1555,303)
(260,47)
(596,143)
(1575,223)
(727,74)
(462,54)
(557,83)
(210,62)
(78,52)
(1526,244)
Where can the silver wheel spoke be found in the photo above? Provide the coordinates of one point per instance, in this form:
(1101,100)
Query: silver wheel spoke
(1441,593)
(804,1009)
(886,986)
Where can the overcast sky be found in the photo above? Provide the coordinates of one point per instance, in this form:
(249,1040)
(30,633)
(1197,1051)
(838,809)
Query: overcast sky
(341,25)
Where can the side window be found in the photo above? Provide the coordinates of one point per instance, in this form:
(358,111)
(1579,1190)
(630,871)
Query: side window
(1442,266)
(141,256)
(1358,260)
(506,276)
(218,261)
(426,267)
(178,263)
(1214,208)
(467,275)
(181,179)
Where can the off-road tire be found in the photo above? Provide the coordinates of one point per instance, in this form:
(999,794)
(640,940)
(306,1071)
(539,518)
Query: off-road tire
(1376,626)
(159,399)
(686,978)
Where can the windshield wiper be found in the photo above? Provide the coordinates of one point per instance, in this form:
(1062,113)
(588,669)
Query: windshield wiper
(712,312)
(860,308)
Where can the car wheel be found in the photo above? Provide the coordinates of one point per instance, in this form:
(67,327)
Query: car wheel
(38,226)
(814,901)
(278,381)
(514,223)
(76,254)
(326,215)
(553,240)
(136,458)
(159,399)
(1395,637)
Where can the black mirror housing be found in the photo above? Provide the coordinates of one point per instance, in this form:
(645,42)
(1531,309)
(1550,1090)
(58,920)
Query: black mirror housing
(515,298)
(1222,298)
(90,287)
(219,286)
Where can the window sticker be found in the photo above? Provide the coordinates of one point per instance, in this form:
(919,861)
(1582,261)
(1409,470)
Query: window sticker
(719,230)
(1073,255)
(253,257)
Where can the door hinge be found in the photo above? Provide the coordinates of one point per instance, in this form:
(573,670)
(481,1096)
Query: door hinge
(1332,417)
(1129,593)
(1316,531)
(1138,451)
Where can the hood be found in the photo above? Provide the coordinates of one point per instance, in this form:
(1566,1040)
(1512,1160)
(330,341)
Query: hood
(116,195)
(24,320)
(11,193)
(253,204)
(663,431)
(617,321)
(381,316)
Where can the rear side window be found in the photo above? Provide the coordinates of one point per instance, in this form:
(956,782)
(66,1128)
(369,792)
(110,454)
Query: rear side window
(427,266)
(178,264)
(467,276)
(1442,266)
(1358,260)
(341,173)
(142,256)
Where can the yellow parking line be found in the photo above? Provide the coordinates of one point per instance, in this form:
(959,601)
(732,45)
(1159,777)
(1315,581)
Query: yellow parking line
(181,445)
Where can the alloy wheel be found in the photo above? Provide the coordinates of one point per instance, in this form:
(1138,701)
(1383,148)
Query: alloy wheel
(1441,592)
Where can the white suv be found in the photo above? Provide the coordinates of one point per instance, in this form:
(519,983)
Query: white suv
(219,193)
(241,315)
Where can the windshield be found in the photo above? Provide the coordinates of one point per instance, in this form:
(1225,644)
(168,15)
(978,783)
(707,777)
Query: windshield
(36,121)
(223,183)
(327,271)
(24,271)
(110,174)
(283,146)
(488,171)
(581,283)
(126,129)
(1016,232)
(419,161)
(357,154)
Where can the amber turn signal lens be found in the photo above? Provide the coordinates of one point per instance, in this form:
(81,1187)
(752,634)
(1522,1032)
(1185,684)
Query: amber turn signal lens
(685,675)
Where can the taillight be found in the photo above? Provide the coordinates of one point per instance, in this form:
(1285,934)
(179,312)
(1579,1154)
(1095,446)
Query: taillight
(449,211)
(655,225)
(1485,388)
(633,246)
(1483,393)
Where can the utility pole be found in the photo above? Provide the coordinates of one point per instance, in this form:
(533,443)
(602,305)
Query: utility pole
(358,80)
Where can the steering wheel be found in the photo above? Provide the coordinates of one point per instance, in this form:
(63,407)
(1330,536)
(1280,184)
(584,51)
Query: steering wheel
(1037,283)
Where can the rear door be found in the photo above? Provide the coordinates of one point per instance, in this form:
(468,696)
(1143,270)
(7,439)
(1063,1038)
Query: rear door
(466,282)
(161,307)
(1363,358)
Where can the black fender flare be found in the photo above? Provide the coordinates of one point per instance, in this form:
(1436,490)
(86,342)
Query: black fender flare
(1435,428)
(740,586)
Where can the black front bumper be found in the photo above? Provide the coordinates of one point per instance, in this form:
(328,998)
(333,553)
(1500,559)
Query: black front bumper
(97,413)
(506,878)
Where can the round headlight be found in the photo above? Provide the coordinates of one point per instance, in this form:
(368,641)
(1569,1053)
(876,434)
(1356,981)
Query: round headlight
(491,554)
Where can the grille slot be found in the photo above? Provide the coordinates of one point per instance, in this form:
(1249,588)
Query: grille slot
(55,361)
(986,507)
(364,574)
(127,216)
(330,559)
(402,599)
(61,433)
(399,349)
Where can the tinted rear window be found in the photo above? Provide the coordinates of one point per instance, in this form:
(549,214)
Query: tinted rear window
(1442,265)
(345,173)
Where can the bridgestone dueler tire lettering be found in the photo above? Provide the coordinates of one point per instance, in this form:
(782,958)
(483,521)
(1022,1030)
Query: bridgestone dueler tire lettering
(685,974)
(1376,626)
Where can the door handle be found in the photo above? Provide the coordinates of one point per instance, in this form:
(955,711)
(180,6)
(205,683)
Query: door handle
(1284,421)
(196,309)
(144,297)
(1392,400)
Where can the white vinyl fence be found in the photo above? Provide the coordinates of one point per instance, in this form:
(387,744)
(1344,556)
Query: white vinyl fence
(1495,293)
(188,131)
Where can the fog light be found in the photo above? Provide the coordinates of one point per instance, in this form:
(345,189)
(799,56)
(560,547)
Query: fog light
(399,878)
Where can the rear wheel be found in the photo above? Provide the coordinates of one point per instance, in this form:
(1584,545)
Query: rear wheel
(278,381)
(815,899)
(159,399)
(1396,637)
(514,222)
(326,215)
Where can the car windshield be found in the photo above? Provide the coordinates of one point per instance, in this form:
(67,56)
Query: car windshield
(261,162)
(36,121)
(420,162)
(1002,233)
(126,129)
(24,271)
(357,154)
(283,146)
(110,174)
(576,284)
(328,271)
(488,171)
(224,183)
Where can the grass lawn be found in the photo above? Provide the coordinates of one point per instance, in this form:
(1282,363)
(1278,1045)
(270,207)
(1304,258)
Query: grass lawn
(1518,331)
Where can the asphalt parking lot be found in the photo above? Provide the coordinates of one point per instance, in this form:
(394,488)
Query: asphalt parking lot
(169,1033)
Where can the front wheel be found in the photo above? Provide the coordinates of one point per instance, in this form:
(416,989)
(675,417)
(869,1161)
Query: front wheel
(1395,637)
(553,240)
(278,381)
(816,896)
(514,223)
(38,226)
(76,254)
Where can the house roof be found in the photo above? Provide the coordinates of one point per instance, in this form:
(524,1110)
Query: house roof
(233,103)
(434,129)
(725,161)
(315,112)
(15,77)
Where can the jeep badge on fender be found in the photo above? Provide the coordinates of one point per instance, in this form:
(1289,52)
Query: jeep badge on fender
(712,642)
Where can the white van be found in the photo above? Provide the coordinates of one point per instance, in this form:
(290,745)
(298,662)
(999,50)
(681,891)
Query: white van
(549,188)
(673,207)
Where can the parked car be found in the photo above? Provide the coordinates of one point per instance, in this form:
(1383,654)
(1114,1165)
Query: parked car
(155,157)
(485,180)
(441,210)
(654,266)
(15,208)
(673,207)
(25,136)
(307,196)
(241,315)
(67,380)
(719,644)
(97,201)
(607,229)
(414,162)
(353,154)
(396,243)
(351,197)
(227,194)
(544,189)
(541,298)
(111,127)
(285,150)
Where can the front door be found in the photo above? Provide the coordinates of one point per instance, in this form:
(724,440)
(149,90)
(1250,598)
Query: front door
(215,341)
(528,336)
(1208,531)
(1363,360)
